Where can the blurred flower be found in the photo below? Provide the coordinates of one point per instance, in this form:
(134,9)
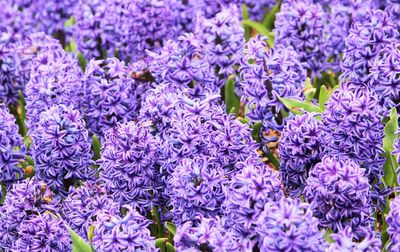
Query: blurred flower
(61,148)
(340,196)
(110,95)
(42,233)
(344,242)
(114,232)
(12,148)
(289,226)
(301,146)
(83,204)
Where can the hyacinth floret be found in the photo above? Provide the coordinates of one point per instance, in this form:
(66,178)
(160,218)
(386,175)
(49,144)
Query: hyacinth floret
(301,147)
(26,198)
(116,232)
(110,95)
(301,24)
(266,75)
(393,221)
(128,165)
(61,148)
(343,241)
(83,204)
(367,38)
(43,233)
(288,225)
(340,195)
(247,192)
(195,188)
(352,122)
(12,148)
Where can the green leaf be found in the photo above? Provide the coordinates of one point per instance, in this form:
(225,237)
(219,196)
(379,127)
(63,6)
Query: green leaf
(170,247)
(70,22)
(255,133)
(309,90)
(90,233)
(269,19)
(324,96)
(390,166)
(327,235)
(161,244)
(295,106)
(245,120)
(82,61)
(245,13)
(96,146)
(231,99)
(261,29)
(79,244)
(170,227)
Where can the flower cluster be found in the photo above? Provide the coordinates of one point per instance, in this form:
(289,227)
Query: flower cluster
(196,189)
(125,28)
(352,122)
(301,147)
(223,38)
(55,79)
(83,204)
(61,148)
(246,195)
(393,220)
(300,24)
(289,226)
(26,199)
(42,233)
(268,74)
(127,165)
(110,95)
(340,196)
(367,37)
(114,232)
(344,241)
(12,149)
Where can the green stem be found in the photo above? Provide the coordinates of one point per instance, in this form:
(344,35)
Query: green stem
(157,220)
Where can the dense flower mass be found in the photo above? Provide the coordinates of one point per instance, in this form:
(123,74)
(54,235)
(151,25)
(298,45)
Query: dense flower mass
(300,24)
(268,74)
(11,147)
(352,122)
(289,226)
(393,220)
(340,196)
(127,164)
(84,204)
(42,233)
(125,28)
(114,232)
(61,148)
(25,200)
(301,147)
(110,95)
(344,241)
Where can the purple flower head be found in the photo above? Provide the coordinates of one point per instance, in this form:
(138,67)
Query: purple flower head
(184,63)
(56,78)
(343,241)
(12,148)
(393,9)
(340,195)
(246,195)
(301,147)
(289,226)
(110,95)
(267,74)
(18,21)
(42,233)
(367,37)
(385,76)
(195,189)
(127,165)
(300,24)
(48,16)
(258,8)
(207,235)
(125,28)
(352,121)
(223,37)
(114,232)
(83,204)
(393,220)
(26,198)
(61,148)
